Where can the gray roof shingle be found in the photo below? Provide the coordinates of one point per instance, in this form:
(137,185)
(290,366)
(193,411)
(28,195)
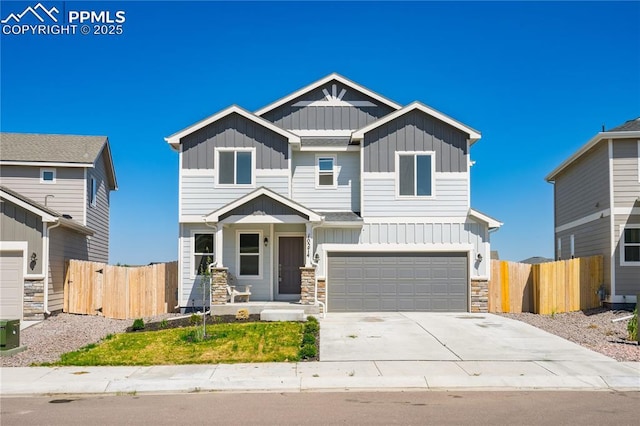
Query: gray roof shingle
(341,217)
(50,148)
(629,126)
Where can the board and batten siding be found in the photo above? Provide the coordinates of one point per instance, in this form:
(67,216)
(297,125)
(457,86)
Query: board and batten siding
(234,131)
(451,197)
(627,281)
(590,239)
(68,189)
(626,182)
(18,224)
(64,245)
(201,197)
(98,215)
(583,188)
(321,117)
(415,131)
(408,234)
(345,197)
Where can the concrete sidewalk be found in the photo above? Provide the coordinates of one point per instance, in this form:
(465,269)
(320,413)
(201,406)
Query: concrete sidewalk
(324,376)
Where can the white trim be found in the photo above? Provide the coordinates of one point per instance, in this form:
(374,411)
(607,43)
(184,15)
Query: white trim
(272,172)
(86,198)
(622,228)
(491,222)
(347,148)
(378,175)
(415,155)
(192,251)
(452,175)
(217,152)
(612,230)
(180,184)
(255,219)
(214,216)
(44,170)
(276,262)
(180,264)
(415,219)
(261,257)
(322,133)
(334,171)
(174,139)
(631,299)
(191,218)
(638,152)
(362,175)
(584,220)
(44,164)
(23,247)
(197,172)
(474,135)
(572,246)
(559,248)
(322,81)
(219,242)
(407,248)
(271,257)
(46,217)
(290,172)
(586,147)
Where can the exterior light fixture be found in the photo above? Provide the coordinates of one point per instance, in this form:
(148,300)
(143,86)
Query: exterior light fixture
(479,257)
(266,241)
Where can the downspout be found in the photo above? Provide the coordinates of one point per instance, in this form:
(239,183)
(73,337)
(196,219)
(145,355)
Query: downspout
(45,266)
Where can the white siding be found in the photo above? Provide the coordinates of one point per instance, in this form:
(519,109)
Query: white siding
(98,216)
(67,191)
(200,196)
(451,198)
(345,197)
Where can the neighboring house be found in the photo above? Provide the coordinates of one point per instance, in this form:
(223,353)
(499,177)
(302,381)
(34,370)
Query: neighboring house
(597,208)
(333,195)
(54,198)
(536,260)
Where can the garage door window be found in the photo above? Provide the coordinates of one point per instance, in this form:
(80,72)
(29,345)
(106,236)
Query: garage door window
(415,174)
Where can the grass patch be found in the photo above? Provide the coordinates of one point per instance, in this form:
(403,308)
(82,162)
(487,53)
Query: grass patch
(225,343)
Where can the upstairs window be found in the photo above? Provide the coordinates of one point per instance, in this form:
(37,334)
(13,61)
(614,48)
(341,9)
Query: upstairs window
(415,174)
(630,246)
(93,193)
(48,175)
(235,167)
(325,171)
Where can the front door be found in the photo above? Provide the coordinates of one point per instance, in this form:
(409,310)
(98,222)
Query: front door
(290,259)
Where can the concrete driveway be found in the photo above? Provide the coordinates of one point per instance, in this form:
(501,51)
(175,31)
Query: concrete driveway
(418,336)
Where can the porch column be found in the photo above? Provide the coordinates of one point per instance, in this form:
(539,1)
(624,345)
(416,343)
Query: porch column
(219,281)
(308,246)
(218,244)
(307,285)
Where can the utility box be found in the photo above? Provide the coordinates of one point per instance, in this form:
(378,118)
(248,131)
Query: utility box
(9,334)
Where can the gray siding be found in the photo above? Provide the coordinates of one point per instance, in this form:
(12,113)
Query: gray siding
(303,182)
(627,276)
(590,239)
(18,224)
(451,198)
(64,245)
(199,196)
(626,184)
(231,131)
(330,117)
(67,191)
(263,204)
(98,216)
(415,131)
(583,188)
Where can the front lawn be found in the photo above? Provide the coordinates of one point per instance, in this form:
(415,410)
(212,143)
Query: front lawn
(226,343)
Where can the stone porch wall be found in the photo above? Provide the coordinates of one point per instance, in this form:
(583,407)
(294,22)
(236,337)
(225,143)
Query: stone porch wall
(480,296)
(220,279)
(33,303)
(307,285)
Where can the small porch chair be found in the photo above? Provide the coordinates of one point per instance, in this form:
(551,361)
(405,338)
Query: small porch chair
(233,293)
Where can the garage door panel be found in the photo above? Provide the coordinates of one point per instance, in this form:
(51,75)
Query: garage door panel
(397,282)
(11,285)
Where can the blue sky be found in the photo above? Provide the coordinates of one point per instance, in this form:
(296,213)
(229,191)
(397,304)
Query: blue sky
(537,79)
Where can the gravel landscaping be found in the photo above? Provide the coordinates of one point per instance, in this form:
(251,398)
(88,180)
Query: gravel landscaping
(62,333)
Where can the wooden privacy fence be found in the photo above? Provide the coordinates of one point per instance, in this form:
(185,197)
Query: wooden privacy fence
(120,292)
(546,288)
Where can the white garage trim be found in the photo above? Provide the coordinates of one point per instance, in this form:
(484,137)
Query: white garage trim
(24,248)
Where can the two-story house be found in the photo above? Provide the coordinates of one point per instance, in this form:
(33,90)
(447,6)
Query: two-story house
(333,195)
(597,208)
(54,199)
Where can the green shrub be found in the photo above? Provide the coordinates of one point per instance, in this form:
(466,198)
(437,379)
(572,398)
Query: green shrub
(311,318)
(308,339)
(308,351)
(195,319)
(138,324)
(632,326)
(311,327)
(164,323)
(194,335)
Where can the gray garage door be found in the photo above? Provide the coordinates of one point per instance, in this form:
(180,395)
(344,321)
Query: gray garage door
(378,282)
(11,285)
